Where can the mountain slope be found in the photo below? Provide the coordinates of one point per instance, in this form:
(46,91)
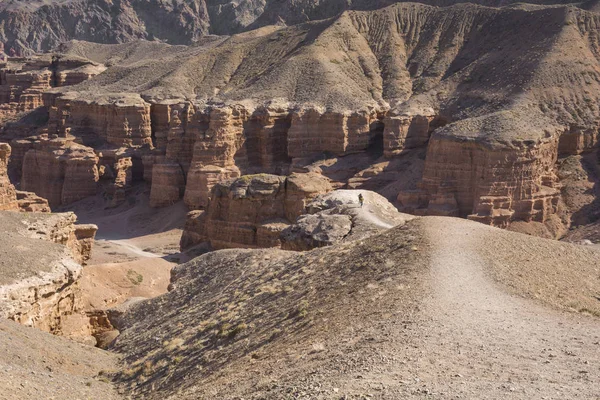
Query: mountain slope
(434,307)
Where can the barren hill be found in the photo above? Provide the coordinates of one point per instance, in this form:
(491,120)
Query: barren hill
(438,307)
(38,365)
(40,25)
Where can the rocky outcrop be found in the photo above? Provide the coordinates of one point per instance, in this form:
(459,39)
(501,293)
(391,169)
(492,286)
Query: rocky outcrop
(60,171)
(61,228)
(42,256)
(16,200)
(116,171)
(252,211)
(24,80)
(168,184)
(30,202)
(494,184)
(8,194)
(337,216)
(405,131)
(120,120)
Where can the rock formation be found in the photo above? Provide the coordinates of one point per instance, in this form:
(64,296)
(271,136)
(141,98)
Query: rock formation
(42,256)
(8,194)
(16,200)
(252,211)
(60,171)
(24,80)
(337,216)
(494,184)
(276,99)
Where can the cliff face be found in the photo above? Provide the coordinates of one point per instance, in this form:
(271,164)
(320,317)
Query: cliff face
(494,185)
(252,211)
(16,200)
(8,194)
(60,171)
(42,262)
(23,81)
(121,122)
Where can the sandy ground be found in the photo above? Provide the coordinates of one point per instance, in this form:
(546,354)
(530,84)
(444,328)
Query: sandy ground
(135,249)
(481,339)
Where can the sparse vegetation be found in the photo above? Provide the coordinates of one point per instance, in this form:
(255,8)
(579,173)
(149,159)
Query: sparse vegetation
(134,277)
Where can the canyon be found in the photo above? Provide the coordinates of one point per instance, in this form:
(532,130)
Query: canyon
(83,128)
(262,199)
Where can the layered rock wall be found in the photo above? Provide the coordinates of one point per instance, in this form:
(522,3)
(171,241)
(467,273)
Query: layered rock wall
(24,80)
(405,132)
(253,210)
(123,122)
(60,171)
(37,284)
(8,194)
(493,184)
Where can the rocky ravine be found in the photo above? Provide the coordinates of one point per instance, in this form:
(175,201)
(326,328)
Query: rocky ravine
(381,82)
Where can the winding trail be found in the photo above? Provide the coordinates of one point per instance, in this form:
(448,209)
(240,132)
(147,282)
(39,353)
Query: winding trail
(480,339)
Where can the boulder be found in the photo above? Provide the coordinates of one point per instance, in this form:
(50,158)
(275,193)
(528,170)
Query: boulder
(337,216)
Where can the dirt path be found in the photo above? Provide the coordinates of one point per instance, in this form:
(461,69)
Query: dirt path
(133,249)
(479,339)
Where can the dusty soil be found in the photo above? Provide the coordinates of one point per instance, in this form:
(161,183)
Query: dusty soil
(36,365)
(22,256)
(135,249)
(440,307)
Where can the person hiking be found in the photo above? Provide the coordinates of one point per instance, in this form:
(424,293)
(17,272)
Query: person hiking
(361,199)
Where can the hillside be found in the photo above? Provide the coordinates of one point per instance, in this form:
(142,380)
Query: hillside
(38,365)
(40,25)
(438,306)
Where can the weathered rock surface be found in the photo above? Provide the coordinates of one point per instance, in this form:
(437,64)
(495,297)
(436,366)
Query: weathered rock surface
(60,171)
(493,184)
(252,211)
(16,200)
(8,194)
(24,80)
(41,261)
(30,202)
(120,120)
(337,216)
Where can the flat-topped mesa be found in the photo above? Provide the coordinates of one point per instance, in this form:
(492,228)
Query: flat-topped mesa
(253,210)
(493,184)
(122,121)
(8,194)
(60,170)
